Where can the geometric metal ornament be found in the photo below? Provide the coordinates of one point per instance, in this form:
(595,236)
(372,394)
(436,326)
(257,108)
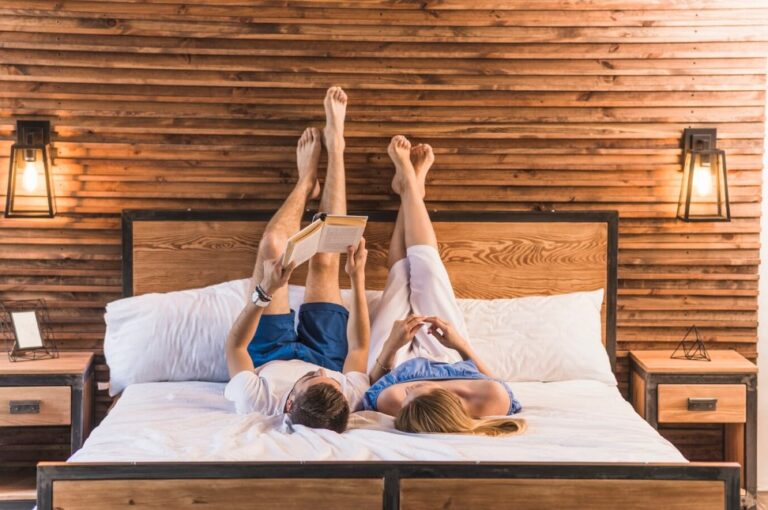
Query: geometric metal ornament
(693,349)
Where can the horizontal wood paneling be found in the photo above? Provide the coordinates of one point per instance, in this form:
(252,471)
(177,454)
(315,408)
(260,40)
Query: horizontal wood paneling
(571,105)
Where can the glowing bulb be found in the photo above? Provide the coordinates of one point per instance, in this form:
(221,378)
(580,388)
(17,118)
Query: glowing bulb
(29,177)
(702,181)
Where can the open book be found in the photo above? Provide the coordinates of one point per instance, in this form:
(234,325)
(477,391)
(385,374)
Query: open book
(329,234)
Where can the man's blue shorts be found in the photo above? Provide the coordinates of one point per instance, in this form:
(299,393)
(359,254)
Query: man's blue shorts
(320,338)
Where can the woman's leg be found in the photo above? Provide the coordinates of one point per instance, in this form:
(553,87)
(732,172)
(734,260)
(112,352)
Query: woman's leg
(431,290)
(395,303)
(418,226)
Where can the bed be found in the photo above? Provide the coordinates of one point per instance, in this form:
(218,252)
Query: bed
(178,444)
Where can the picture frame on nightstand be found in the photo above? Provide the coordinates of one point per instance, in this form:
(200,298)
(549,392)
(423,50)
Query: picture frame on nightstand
(25,328)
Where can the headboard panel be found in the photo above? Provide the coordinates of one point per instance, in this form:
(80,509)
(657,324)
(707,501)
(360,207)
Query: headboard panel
(488,254)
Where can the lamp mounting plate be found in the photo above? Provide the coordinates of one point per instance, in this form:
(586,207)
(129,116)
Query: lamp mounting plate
(38,130)
(699,138)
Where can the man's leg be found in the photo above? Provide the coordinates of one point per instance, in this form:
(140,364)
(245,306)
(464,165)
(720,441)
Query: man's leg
(287,219)
(323,276)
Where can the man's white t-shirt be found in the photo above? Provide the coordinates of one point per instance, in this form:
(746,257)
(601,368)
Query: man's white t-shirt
(265,390)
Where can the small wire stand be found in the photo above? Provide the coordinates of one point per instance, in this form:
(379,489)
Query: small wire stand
(8,332)
(691,349)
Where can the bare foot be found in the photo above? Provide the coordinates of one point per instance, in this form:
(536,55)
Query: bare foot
(399,151)
(422,158)
(335,103)
(307,158)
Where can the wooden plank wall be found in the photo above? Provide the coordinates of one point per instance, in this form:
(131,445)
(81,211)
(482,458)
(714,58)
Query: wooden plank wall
(564,104)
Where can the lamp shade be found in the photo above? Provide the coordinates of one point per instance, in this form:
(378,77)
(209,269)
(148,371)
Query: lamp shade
(30,180)
(704,190)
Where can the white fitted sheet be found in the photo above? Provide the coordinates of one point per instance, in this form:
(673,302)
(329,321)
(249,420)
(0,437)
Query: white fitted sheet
(568,421)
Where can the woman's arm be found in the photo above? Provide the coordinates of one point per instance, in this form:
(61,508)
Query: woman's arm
(467,353)
(359,326)
(447,335)
(402,332)
(242,331)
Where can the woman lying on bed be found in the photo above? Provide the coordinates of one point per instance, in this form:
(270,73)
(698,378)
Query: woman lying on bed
(427,375)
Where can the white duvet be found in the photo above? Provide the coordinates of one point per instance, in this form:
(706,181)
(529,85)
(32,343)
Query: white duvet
(568,421)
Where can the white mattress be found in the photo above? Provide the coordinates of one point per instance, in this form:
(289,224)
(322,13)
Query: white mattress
(571,421)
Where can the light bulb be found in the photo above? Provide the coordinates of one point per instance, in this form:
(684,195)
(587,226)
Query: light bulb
(29,177)
(702,181)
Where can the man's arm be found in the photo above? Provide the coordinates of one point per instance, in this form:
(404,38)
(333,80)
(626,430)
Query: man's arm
(238,338)
(242,331)
(359,326)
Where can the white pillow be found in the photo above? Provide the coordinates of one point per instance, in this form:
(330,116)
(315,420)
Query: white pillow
(175,336)
(179,336)
(540,338)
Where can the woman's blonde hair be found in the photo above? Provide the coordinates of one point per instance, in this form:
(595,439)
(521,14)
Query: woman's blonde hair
(440,411)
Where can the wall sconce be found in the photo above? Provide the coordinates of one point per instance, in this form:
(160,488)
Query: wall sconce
(704,191)
(30,181)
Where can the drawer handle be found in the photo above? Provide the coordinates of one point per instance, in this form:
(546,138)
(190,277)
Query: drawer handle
(24,406)
(702,404)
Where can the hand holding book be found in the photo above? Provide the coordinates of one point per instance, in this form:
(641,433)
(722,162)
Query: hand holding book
(356,258)
(327,234)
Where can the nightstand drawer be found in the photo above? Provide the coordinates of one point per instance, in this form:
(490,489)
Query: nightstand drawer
(35,405)
(702,403)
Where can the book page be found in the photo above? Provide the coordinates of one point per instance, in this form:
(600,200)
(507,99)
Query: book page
(302,247)
(336,238)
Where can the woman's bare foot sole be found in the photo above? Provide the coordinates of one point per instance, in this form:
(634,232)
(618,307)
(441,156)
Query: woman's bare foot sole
(422,158)
(307,159)
(335,104)
(399,151)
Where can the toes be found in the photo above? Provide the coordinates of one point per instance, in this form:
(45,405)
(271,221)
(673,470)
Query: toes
(304,137)
(336,94)
(314,134)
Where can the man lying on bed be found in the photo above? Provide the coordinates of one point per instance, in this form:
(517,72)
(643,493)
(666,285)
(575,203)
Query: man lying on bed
(430,381)
(315,374)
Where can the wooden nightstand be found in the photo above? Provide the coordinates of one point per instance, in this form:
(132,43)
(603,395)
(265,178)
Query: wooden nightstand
(43,393)
(721,391)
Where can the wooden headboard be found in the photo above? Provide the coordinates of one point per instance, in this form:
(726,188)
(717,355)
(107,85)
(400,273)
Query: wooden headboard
(488,254)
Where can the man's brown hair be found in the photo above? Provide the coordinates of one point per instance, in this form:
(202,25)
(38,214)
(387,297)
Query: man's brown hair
(321,406)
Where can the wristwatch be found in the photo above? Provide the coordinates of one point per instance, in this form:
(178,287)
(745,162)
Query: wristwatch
(260,297)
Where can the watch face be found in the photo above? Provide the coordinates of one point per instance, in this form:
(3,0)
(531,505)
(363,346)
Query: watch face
(257,301)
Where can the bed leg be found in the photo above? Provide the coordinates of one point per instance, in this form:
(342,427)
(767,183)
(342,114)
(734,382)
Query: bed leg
(391,490)
(44,490)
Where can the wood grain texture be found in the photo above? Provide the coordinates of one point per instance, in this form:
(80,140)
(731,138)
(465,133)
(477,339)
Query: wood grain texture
(673,403)
(66,363)
(565,105)
(733,444)
(17,484)
(561,494)
(722,362)
(267,494)
(54,405)
(485,260)
(637,396)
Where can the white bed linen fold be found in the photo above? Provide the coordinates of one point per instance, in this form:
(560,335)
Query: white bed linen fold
(568,421)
